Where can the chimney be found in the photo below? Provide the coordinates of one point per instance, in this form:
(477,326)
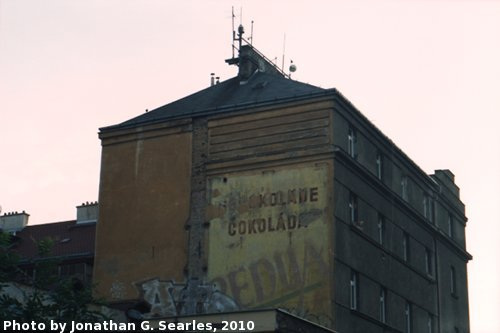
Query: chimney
(13,222)
(87,213)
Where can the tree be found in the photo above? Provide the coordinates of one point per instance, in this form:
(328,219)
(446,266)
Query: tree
(45,296)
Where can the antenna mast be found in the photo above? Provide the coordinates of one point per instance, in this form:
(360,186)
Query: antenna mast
(283,59)
(251,35)
(241,30)
(234,32)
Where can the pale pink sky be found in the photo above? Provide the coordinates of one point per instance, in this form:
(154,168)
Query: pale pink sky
(427,73)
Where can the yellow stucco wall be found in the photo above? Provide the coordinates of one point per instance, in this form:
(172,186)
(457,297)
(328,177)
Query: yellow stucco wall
(269,238)
(143,207)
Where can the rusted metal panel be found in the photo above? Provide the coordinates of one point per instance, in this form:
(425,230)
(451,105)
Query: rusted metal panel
(269,238)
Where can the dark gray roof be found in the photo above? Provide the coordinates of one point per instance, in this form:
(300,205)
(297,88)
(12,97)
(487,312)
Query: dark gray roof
(260,88)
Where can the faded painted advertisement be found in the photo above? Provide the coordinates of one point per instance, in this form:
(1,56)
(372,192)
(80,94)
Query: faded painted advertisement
(268,239)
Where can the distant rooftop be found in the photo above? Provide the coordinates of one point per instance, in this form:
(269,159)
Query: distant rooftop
(70,239)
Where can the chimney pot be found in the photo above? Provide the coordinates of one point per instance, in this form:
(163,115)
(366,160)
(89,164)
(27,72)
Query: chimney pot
(13,222)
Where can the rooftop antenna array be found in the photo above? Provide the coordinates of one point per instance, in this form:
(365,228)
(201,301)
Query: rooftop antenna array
(238,37)
(234,32)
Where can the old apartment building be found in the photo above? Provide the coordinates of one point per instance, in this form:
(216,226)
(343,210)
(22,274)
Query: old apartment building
(72,243)
(261,192)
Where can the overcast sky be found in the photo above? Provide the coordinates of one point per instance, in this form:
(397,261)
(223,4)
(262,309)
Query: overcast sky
(427,73)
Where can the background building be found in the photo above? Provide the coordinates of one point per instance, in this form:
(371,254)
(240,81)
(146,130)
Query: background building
(72,242)
(264,192)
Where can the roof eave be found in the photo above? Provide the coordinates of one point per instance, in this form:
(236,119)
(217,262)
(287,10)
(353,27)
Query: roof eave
(223,109)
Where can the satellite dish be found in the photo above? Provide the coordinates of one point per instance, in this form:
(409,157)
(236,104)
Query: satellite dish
(293,68)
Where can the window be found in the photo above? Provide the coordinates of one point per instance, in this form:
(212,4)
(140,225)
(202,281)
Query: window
(354,290)
(428,207)
(430,323)
(352,142)
(453,281)
(451,226)
(381,229)
(428,262)
(404,188)
(406,247)
(408,321)
(382,303)
(432,210)
(353,208)
(380,165)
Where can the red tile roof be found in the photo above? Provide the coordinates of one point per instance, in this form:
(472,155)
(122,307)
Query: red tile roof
(70,239)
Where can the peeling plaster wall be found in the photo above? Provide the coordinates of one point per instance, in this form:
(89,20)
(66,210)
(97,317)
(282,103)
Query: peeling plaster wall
(269,242)
(174,200)
(144,205)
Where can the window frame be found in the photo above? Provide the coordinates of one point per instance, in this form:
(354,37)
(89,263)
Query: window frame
(404,188)
(383,305)
(353,208)
(429,262)
(451,226)
(453,281)
(408,317)
(381,228)
(354,291)
(428,207)
(406,247)
(352,140)
(379,161)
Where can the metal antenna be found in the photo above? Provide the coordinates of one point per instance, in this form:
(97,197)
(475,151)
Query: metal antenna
(283,59)
(234,32)
(251,35)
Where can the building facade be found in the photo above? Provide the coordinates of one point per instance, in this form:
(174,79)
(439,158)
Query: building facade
(72,243)
(263,192)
